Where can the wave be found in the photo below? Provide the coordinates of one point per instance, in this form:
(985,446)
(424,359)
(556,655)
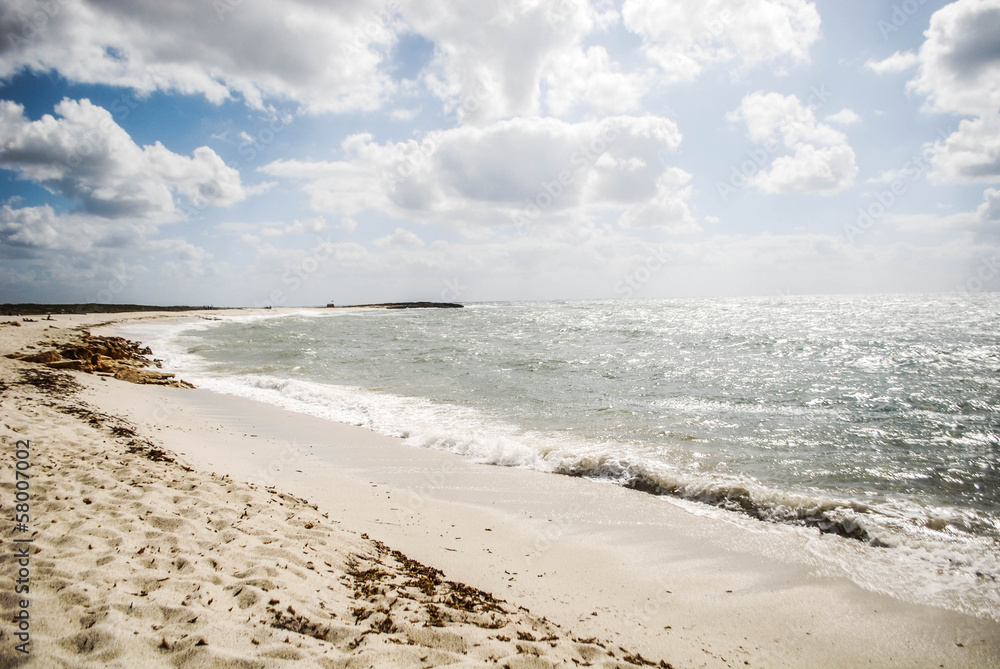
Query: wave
(945,543)
(467,432)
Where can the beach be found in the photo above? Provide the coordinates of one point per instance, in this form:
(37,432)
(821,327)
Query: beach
(179,527)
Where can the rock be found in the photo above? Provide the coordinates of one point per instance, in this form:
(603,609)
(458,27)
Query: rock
(78,365)
(76,353)
(45,357)
(115,356)
(128,374)
(105,364)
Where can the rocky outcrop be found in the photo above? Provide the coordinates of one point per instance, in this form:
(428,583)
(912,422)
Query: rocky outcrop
(402,305)
(108,356)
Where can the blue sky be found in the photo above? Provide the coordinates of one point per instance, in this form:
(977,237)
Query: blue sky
(245,153)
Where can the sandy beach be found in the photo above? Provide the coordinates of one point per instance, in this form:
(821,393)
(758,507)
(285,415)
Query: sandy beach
(173,526)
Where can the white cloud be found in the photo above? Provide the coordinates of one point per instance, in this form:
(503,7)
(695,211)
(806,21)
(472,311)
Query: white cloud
(88,258)
(844,117)
(684,36)
(492,60)
(401,237)
(972,153)
(327,56)
(520,171)
(26,231)
(308,226)
(900,61)
(577,76)
(88,158)
(819,170)
(590,261)
(668,205)
(960,74)
(989,210)
(821,162)
(404,114)
(960,60)
(985,219)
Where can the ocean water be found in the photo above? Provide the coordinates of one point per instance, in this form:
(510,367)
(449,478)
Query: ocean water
(873,418)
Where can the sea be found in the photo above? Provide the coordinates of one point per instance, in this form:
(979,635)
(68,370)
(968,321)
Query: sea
(873,419)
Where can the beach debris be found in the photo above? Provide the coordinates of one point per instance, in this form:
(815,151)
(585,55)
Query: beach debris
(121,358)
(373,606)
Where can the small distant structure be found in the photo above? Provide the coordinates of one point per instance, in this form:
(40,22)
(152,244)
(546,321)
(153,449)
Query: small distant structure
(331,305)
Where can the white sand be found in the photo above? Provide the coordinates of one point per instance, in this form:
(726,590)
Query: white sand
(630,569)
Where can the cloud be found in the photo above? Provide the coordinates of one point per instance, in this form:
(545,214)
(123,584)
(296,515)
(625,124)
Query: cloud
(88,158)
(325,56)
(972,153)
(120,195)
(86,258)
(900,61)
(309,226)
(984,220)
(491,58)
(577,76)
(989,210)
(685,36)
(821,162)
(590,261)
(26,231)
(668,206)
(960,74)
(960,59)
(844,117)
(522,171)
(401,237)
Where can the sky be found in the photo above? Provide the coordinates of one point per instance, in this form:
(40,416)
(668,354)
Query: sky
(256,153)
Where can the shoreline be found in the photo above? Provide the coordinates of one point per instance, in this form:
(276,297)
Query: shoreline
(693,595)
(137,558)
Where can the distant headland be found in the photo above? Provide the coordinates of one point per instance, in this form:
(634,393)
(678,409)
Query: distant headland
(400,305)
(35,309)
